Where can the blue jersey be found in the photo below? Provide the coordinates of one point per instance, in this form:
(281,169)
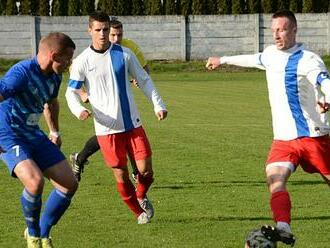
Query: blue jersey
(25,91)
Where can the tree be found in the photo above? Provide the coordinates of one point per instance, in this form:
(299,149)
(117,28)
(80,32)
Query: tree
(269,6)
(211,7)
(254,6)
(25,7)
(156,7)
(74,8)
(44,8)
(224,7)
(170,7)
(137,7)
(307,6)
(107,6)
(3,4)
(11,8)
(87,7)
(294,6)
(197,7)
(238,7)
(185,7)
(147,6)
(124,7)
(321,6)
(59,8)
(283,4)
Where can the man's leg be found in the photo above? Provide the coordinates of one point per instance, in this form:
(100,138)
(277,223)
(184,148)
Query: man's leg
(145,179)
(59,199)
(326,179)
(78,160)
(135,170)
(30,175)
(126,189)
(277,177)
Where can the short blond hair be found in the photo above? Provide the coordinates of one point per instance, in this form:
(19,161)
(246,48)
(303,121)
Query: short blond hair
(56,41)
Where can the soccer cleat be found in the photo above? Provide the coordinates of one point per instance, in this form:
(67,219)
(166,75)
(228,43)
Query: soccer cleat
(76,169)
(46,243)
(274,234)
(32,242)
(146,205)
(143,219)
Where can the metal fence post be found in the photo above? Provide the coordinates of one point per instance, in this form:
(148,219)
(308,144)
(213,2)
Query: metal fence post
(33,36)
(184,38)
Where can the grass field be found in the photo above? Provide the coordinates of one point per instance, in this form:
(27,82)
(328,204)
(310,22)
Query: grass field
(209,188)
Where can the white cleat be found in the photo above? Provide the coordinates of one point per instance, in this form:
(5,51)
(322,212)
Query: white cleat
(143,219)
(146,205)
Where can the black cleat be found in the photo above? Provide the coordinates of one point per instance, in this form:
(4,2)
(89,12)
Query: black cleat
(274,234)
(76,169)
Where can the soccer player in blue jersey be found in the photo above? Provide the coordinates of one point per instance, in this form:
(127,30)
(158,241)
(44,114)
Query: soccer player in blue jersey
(103,69)
(299,94)
(28,90)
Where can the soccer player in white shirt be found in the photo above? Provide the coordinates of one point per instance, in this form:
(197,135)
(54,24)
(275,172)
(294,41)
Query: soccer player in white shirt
(299,95)
(104,69)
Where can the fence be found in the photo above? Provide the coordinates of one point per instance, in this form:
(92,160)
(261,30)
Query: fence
(168,37)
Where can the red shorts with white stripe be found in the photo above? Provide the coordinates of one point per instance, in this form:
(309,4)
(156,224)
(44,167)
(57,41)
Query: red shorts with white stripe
(313,154)
(115,147)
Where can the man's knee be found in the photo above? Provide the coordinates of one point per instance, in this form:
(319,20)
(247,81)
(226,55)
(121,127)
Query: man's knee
(35,184)
(277,178)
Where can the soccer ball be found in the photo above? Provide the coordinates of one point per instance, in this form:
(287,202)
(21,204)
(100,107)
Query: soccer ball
(255,239)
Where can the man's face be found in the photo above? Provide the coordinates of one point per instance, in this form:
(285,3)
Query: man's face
(116,35)
(61,61)
(99,32)
(284,33)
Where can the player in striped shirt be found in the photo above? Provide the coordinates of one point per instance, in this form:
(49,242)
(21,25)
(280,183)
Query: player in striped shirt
(104,69)
(78,160)
(28,90)
(299,94)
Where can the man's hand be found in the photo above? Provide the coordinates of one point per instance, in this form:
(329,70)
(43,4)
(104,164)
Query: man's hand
(161,115)
(135,83)
(212,63)
(84,115)
(323,107)
(56,139)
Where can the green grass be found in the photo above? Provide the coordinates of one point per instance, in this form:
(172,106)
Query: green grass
(208,158)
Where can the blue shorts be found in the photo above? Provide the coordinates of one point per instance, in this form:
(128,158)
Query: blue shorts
(43,152)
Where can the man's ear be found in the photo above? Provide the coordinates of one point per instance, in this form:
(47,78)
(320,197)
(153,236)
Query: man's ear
(52,56)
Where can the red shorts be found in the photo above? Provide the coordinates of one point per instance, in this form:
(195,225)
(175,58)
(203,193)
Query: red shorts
(115,147)
(313,154)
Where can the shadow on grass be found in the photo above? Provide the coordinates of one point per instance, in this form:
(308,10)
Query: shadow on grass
(223,184)
(226,184)
(315,182)
(241,218)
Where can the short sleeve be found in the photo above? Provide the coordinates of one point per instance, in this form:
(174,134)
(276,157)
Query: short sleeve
(12,82)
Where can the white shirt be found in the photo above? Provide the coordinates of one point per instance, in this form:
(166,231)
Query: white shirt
(295,78)
(109,93)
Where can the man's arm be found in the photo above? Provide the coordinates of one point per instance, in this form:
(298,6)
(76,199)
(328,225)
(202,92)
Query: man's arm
(73,101)
(51,114)
(147,87)
(252,60)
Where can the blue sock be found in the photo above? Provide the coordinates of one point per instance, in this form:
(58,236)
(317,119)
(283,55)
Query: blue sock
(55,207)
(31,205)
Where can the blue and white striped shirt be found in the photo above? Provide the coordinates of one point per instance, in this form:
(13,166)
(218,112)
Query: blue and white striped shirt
(25,91)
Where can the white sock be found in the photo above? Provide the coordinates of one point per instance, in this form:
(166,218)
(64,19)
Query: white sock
(283,226)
